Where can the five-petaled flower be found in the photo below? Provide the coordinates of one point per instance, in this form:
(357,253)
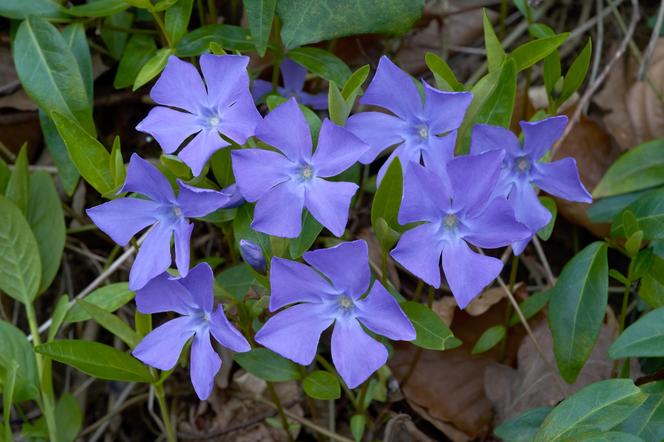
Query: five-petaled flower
(522,167)
(122,218)
(225,107)
(420,130)
(293,77)
(284,182)
(193,298)
(319,302)
(456,207)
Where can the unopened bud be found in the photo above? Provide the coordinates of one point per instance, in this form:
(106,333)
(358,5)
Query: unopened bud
(253,255)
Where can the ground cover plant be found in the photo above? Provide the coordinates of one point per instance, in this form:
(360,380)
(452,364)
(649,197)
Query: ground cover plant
(298,220)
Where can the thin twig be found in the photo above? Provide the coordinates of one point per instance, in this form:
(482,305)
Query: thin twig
(652,42)
(545,262)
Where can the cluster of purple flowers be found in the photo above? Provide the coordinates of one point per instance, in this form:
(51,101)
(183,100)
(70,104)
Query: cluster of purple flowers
(485,199)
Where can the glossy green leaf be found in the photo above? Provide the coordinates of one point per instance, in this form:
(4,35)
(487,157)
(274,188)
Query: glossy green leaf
(311,21)
(267,365)
(357,424)
(531,52)
(353,85)
(576,308)
(57,318)
(607,436)
(88,155)
(598,407)
(648,421)
(530,306)
(551,72)
(576,73)
(242,229)
(550,204)
(322,63)
(649,213)
(644,338)
(236,281)
(98,8)
(432,332)
(336,105)
(109,298)
(152,68)
(140,48)
(20,265)
(489,339)
(18,186)
(260,14)
(8,386)
(523,427)
(606,209)
(310,231)
(176,20)
(68,418)
(20,9)
(637,169)
(387,199)
(15,347)
(231,38)
(113,34)
(47,221)
(443,74)
(494,50)
(77,41)
(49,71)
(96,359)
(67,171)
(116,164)
(111,323)
(322,385)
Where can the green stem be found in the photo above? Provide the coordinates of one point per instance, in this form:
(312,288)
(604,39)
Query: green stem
(165,415)
(201,16)
(162,28)
(280,409)
(212,9)
(430,296)
(363,394)
(327,366)
(383,268)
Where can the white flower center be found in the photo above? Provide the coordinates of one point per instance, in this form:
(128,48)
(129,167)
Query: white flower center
(213,122)
(522,164)
(345,302)
(307,172)
(450,221)
(423,132)
(177,211)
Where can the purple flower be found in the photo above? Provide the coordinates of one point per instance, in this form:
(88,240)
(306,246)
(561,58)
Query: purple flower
(253,255)
(225,107)
(122,218)
(522,167)
(293,76)
(191,297)
(419,129)
(284,182)
(319,302)
(457,209)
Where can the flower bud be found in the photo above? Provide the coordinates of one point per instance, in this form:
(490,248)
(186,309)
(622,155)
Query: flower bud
(253,255)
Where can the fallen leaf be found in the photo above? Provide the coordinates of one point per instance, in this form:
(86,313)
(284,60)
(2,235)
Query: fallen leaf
(401,428)
(445,307)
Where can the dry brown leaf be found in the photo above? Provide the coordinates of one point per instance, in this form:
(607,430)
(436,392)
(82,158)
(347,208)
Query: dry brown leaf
(375,256)
(401,428)
(445,307)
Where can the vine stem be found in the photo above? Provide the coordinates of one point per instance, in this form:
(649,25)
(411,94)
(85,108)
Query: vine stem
(165,414)
(280,409)
(545,262)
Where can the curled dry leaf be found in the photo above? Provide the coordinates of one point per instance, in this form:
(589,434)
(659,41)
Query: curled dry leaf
(444,307)
(401,428)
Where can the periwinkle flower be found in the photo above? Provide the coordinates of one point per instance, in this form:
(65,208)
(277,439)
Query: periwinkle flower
(420,129)
(293,76)
(122,218)
(284,182)
(456,208)
(222,105)
(192,297)
(522,168)
(317,303)
(253,255)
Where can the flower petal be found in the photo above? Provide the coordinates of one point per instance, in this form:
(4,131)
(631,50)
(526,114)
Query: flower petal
(161,347)
(355,354)
(418,250)
(394,90)
(439,152)
(539,136)
(182,240)
(346,265)
(203,365)
(260,89)
(292,74)
(482,171)
(328,202)
(279,211)
(238,121)
(199,283)
(224,332)
(199,150)
(226,77)
(169,127)
(527,207)
(495,227)
(425,196)
(337,150)
(177,77)
(163,293)
(486,137)
(154,256)
(561,178)
(146,179)
(467,272)
(197,202)
(381,314)
(378,130)
(122,218)
(314,101)
(291,282)
(444,111)
(258,170)
(294,332)
(286,129)
(407,154)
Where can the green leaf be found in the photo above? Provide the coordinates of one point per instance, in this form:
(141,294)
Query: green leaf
(336,104)
(648,421)
(77,41)
(242,229)
(550,204)
(311,21)
(58,317)
(67,171)
(551,73)
(98,8)
(18,186)
(267,365)
(15,347)
(5,173)
(322,63)
(115,40)
(111,323)
(531,52)
(140,48)
(20,266)
(597,407)
(310,231)
(432,332)
(152,68)
(576,73)
(49,71)
(443,74)
(387,199)
(649,213)
(530,306)
(116,164)
(357,424)
(231,38)
(47,222)
(577,307)
(8,385)
(353,85)
(109,298)
(176,20)
(637,169)
(523,427)
(607,436)
(489,339)
(644,338)
(322,385)
(68,418)
(20,9)
(606,209)
(387,236)
(96,359)
(236,281)
(260,14)
(494,50)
